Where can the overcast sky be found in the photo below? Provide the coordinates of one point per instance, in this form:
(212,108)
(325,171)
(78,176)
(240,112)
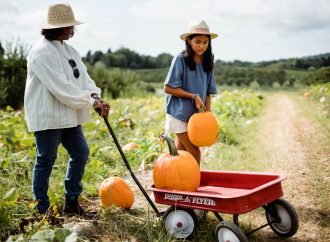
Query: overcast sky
(250,30)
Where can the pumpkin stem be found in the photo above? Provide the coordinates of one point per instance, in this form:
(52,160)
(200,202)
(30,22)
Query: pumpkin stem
(201,109)
(171,146)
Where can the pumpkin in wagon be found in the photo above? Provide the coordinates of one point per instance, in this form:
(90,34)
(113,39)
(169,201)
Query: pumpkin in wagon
(176,170)
(203,129)
(116,191)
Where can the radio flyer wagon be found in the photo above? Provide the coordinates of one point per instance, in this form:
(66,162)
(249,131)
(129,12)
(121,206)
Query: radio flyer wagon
(231,193)
(222,192)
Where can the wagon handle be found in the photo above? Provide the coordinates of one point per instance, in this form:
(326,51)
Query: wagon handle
(130,169)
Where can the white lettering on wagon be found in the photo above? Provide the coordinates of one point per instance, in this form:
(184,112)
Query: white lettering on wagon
(203,200)
(173,197)
(188,199)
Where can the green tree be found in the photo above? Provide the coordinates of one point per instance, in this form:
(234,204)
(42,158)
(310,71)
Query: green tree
(318,76)
(13,74)
(163,60)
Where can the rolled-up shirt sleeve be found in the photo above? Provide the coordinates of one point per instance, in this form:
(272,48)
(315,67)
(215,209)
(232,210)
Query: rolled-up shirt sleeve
(49,70)
(174,76)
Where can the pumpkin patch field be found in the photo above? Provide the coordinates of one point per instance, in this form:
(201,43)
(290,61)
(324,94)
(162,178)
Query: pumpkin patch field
(137,122)
(250,129)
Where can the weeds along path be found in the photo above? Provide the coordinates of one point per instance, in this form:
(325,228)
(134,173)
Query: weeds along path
(282,135)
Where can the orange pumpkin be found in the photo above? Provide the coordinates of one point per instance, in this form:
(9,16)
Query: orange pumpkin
(130,146)
(203,129)
(176,170)
(116,191)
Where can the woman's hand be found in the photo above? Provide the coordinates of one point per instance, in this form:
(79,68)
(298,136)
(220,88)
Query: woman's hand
(101,107)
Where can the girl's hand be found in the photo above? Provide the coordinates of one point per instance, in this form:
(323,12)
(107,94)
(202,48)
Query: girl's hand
(199,103)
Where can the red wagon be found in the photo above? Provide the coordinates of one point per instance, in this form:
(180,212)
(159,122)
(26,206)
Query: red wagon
(232,193)
(222,192)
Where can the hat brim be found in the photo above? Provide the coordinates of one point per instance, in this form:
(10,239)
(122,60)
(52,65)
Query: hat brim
(56,26)
(185,35)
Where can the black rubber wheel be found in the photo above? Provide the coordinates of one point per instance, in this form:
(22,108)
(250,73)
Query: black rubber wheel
(285,218)
(180,223)
(226,231)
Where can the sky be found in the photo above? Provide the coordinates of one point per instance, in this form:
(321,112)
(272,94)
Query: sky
(249,30)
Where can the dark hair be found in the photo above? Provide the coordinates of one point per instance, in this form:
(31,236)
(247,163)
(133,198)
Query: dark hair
(53,34)
(208,56)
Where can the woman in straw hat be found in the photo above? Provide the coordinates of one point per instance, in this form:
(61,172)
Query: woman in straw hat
(58,95)
(189,84)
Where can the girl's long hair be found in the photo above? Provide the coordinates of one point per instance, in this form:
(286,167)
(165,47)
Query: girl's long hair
(208,57)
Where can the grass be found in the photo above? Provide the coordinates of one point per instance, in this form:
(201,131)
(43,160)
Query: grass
(141,224)
(241,154)
(318,144)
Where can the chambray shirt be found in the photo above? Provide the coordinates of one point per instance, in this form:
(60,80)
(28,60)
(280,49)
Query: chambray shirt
(194,81)
(53,97)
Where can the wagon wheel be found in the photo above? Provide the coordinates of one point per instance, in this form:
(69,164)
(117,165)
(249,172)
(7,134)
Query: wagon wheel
(284,216)
(180,223)
(229,232)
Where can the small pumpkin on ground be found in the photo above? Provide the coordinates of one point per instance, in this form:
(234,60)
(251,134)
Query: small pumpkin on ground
(176,170)
(203,129)
(116,191)
(130,146)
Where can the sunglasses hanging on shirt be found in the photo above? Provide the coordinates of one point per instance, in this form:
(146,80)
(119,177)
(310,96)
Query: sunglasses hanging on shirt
(74,68)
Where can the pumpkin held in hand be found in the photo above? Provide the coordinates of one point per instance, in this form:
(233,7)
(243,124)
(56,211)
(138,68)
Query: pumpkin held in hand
(203,129)
(116,191)
(176,170)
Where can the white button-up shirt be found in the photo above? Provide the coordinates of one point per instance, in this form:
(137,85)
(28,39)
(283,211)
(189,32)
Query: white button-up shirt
(54,98)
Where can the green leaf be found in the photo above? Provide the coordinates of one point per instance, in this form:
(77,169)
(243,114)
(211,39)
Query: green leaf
(28,142)
(46,235)
(65,235)
(10,195)
(12,239)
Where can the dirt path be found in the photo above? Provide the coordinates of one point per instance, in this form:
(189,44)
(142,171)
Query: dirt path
(283,128)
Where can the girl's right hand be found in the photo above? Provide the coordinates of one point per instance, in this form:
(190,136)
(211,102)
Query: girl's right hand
(199,103)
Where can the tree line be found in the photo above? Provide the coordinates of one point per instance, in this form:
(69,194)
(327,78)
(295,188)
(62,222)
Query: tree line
(126,58)
(125,73)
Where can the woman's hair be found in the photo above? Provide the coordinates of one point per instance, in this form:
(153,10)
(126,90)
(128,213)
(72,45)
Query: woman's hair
(208,56)
(53,34)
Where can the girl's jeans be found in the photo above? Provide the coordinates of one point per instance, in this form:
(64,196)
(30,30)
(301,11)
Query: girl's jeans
(47,142)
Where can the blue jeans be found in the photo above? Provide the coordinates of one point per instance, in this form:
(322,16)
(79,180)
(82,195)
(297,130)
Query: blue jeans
(47,142)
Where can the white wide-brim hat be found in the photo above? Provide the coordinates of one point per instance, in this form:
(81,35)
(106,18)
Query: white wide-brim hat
(60,15)
(198,27)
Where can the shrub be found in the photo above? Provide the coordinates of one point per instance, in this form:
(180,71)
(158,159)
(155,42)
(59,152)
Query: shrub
(12,74)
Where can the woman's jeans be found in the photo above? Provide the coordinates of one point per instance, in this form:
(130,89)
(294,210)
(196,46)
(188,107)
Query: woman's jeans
(47,142)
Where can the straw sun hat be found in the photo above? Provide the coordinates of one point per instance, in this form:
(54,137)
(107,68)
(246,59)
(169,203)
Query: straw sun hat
(198,27)
(60,15)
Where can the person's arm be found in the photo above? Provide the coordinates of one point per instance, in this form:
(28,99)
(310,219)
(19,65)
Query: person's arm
(212,89)
(208,102)
(179,92)
(50,72)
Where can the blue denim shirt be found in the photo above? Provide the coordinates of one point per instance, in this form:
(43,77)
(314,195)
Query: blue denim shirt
(193,81)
